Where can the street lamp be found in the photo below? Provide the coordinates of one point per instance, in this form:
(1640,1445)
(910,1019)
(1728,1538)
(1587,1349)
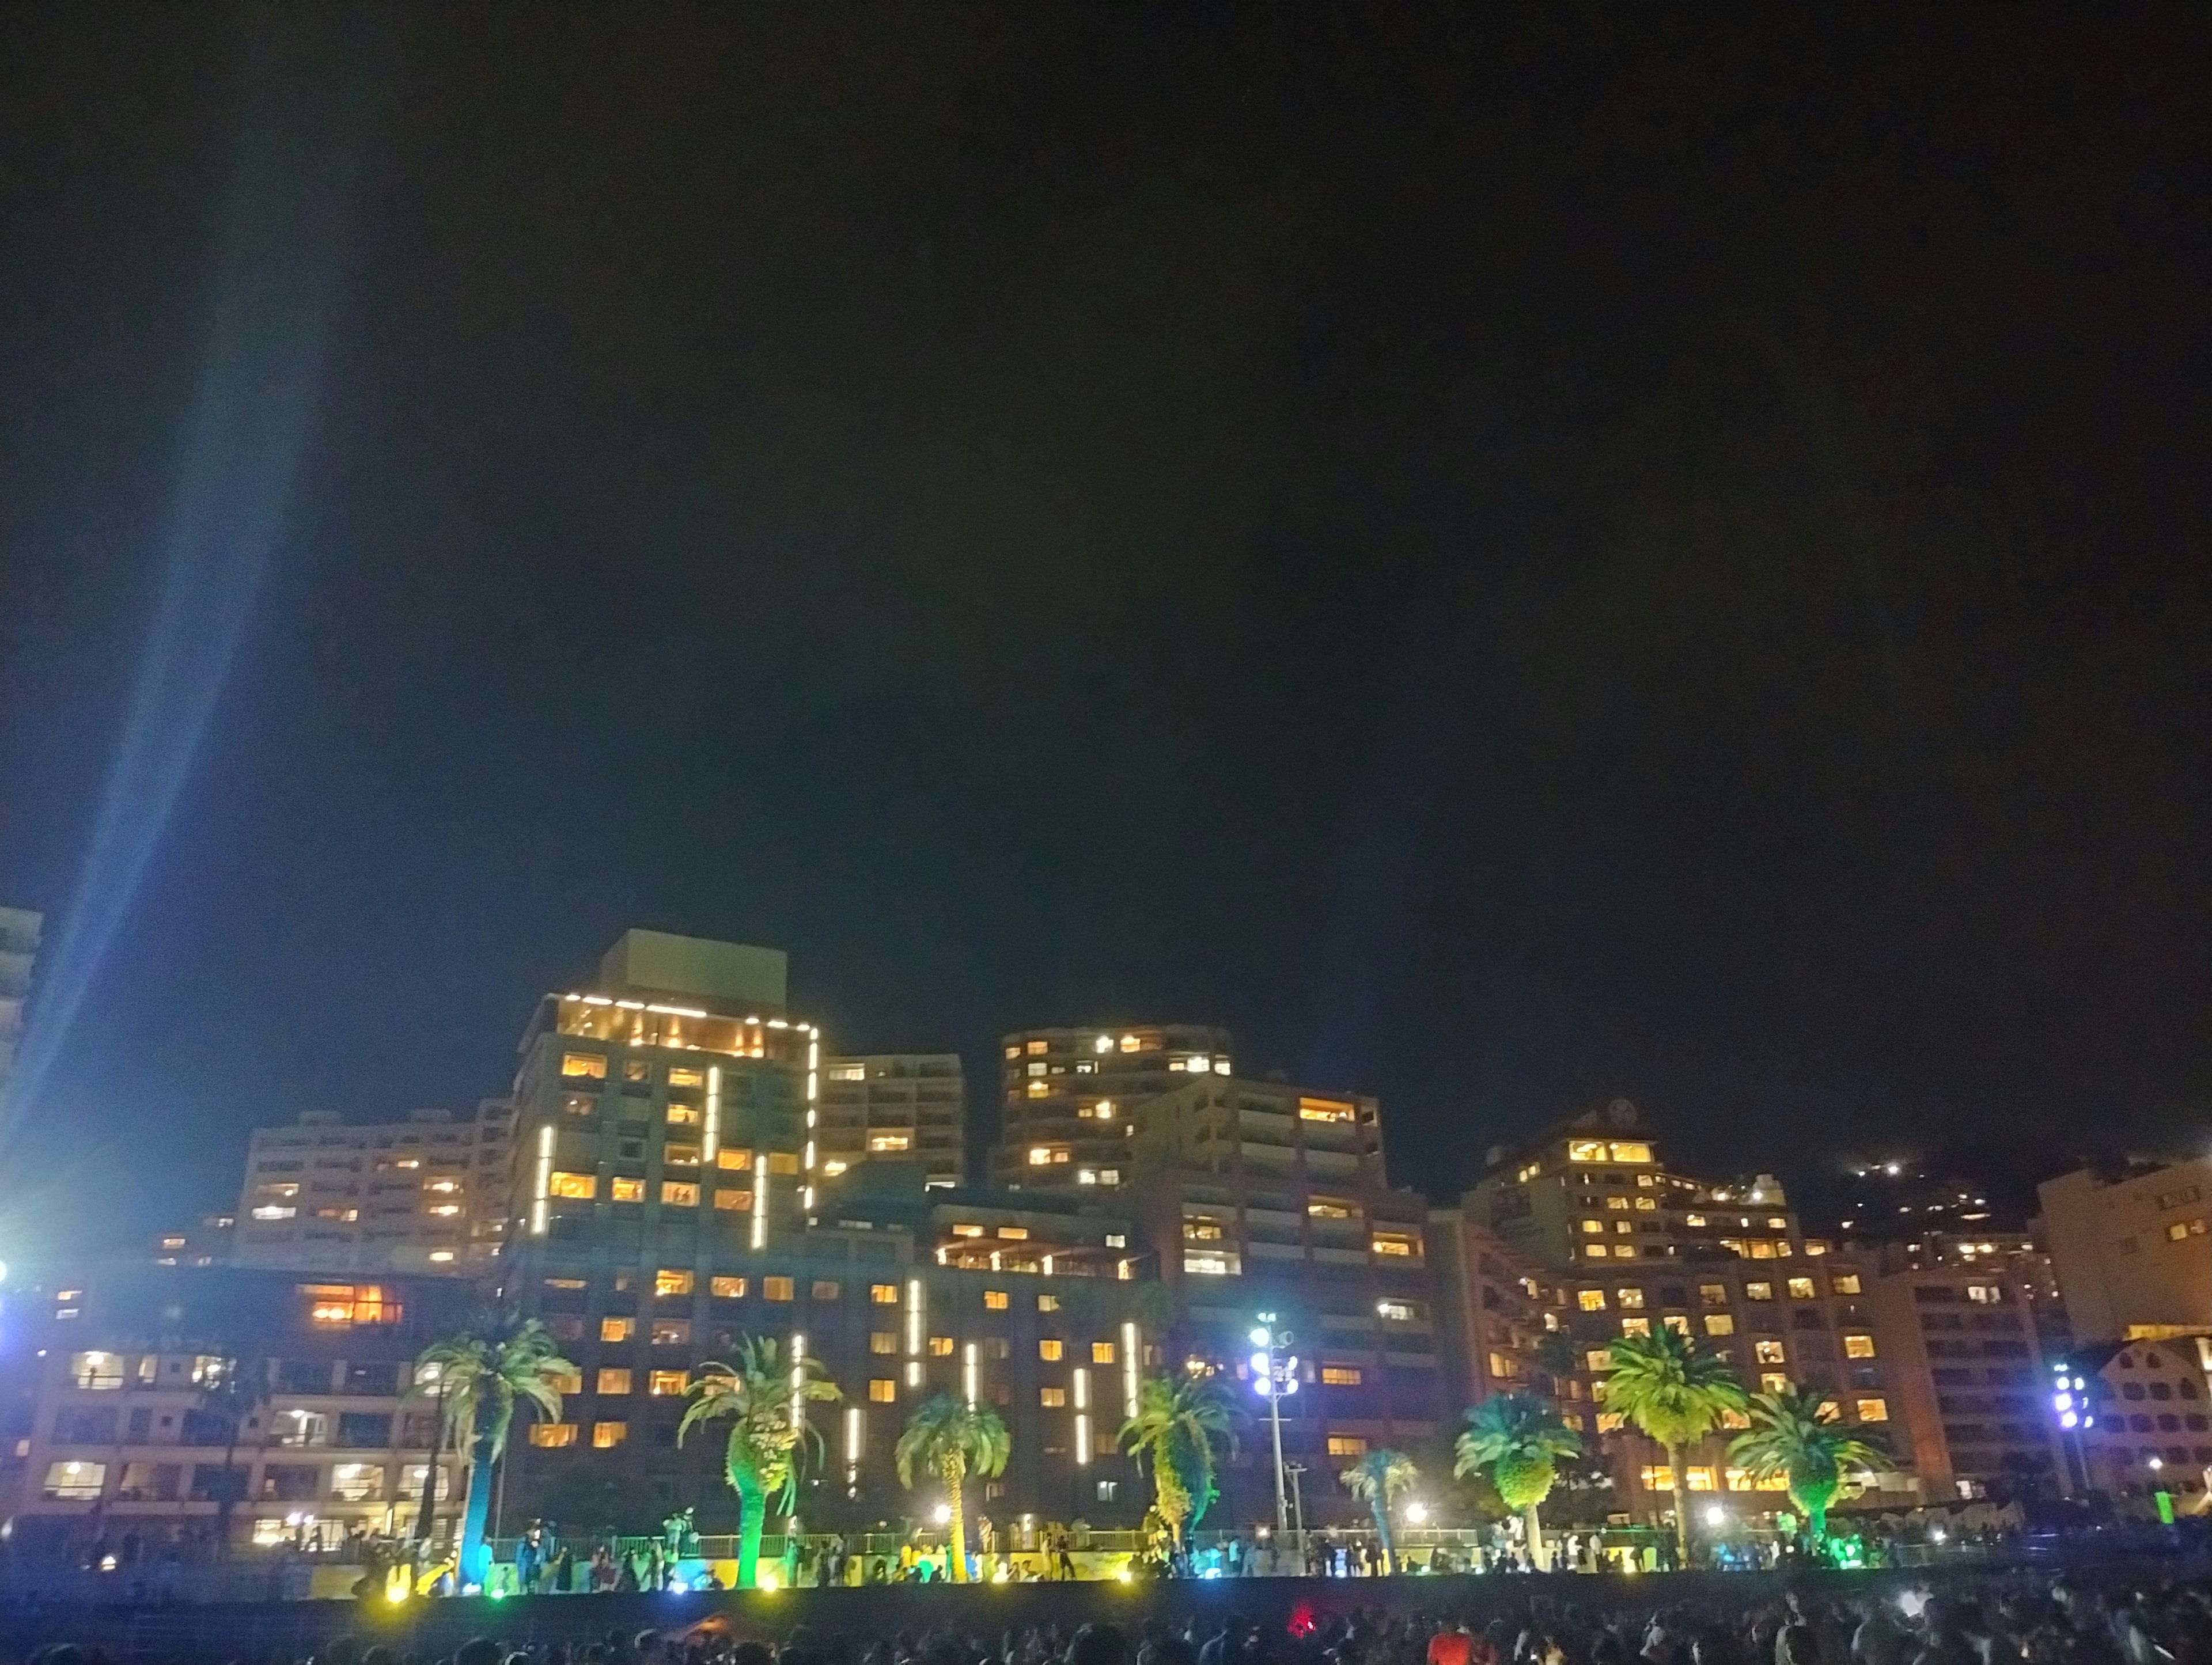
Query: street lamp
(1274,1379)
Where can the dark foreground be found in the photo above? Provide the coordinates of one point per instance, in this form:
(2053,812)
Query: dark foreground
(1292,1616)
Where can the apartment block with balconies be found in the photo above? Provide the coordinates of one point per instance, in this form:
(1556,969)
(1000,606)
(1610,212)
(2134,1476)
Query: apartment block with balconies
(895,1107)
(1067,1095)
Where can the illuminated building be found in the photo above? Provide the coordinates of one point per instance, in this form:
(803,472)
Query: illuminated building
(19,953)
(2132,1251)
(1262,1196)
(898,1106)
(1067,1095)
(1497,1313)
(2152,1432)
(112,1434)
(427,1195)
(208,1243)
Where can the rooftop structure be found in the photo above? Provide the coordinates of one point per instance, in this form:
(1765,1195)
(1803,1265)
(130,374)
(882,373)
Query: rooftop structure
(1069,1092)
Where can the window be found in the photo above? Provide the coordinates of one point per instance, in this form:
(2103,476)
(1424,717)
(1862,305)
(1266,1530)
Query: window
(681,1114)
(1800,1288)
(1631,1151)
(579,1104)
(726,1288)
(883,1295)
(1340,1376)
(881,1144)
(1701,1480)
(883,1341)
(734,1157)
(583,1067)
(551,1434)
(1769,1352)
(1631,1300)
(1635,1327)
(1874,1410)
(667,1384)
(626,1190)
(1052,1399)
(1646,1204)
(1326,1110)
(1719,1323)
(1658,1477)
(1858,1346)
(1983,1294)
(776,1289)
(102,1370)
(673,1280)
(1618,1205)
(1048,1304)
(1773,1382)
(1591,1300)
(1592,1228)
(1844,1283)
(994,1300)
(680,1156)
(1049,1350)
(335,1306)
(940,1346)
(882,1390)
(613,1381)
(783,1162)
(1758,1292)
(574,1185)
(79,1482)
(1397,1244)
(1347,1445)
(605,1435)
(737,1201)
(678,1193)
(671,1332)
(824,1289)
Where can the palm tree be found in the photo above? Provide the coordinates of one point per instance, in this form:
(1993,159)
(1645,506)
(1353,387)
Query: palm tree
(1796,1434)
(1676,1394)
(1376,1480)
(1180,1422)
(483,1373)
(770,1436)
(1520,1439)
(426,1513)
(234,1395)
(950,1438)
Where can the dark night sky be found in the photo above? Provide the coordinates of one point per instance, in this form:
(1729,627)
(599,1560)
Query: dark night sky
(1510,561)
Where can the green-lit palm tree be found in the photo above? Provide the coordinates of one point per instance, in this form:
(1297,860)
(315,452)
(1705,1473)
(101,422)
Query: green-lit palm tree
(1520,1439)
(483,1374)
(1676,1394)
(950,1438)
(1184,1425)
(1796,1434)
(770,1436)
(1377,1480)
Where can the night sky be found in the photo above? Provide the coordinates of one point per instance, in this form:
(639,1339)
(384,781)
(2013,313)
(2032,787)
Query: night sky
(1636,552)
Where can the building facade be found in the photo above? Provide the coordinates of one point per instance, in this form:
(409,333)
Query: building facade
(1066,1094)
(428,1195)
(19,953)
(110,1430)
(2151,1433)
(898,1107)
(2131,1249)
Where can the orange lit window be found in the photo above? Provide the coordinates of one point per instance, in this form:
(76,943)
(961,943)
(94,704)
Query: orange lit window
(776,1289)
(1347,1445)
(994,1300)
(552,1433)
(608,1434)
(1102,1352)
(682,1115)
(678,1193)
(882,1390)
(730,1157)
(1858,1346)
(617,1329)
(613,1381)
(1340,1376)
(337,1306)
(1049,1350)
(740,1202)
(664,1384)
(574,1185)
(673,1280)
(584,1065)
(1052,1399)
(883,1295)
(1326,1109)
(680,1156)
(726,1289)
(626,1190)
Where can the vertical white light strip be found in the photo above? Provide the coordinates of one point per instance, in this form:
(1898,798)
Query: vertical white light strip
(714,1140)
(544,1188)
(798,1378)
(970,1374)
(1128,1370)
(856,1439)
(1082,1418)
(760,1199)
(813,1087)
(915,1316)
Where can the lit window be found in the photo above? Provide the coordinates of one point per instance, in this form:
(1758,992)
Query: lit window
(681,1076)
(883,1341)
(582,1186)
(883,1295)
(1646,1204)
(776,1289)
(1719,1323)
(736,1202)
(1593,1228)
(1039,1046)
(1658,1477)
(673,1280)
(1329,1208)
(626,1190)
(964,1230)
(1049,1350)
(1777,1223)
(1635,1327)
(1800,1288)
(1769,1352)
(1586,1150)
(671,1332)
(940,1346)
(1631,1151)
(1618,1205)
(1693,1219)
(1052,1399)
(1040,1088)
(1129,1043)
(682,1115)
(734,1157)
(1340,1375)
(584,1065)
(880,1143)
(783,1162)
(1982,1294)
(1631,1299)
(680,1156)
(1874,1410)
(607,1434)
(1326,1109)
(678,1193)
(543,1434)
(994,1300)
(1591,1300)
(1102,1352)
(1040,1155)
(1014,1233)
(1758,1292)
(1598,1360)
(667,1384)
(103,1371)
(860,1072)
(1858,1346)
(1713,1295)
(273,1210)
(617,1329)
(882,1389)
(613,1381)
(1347,1445)
(1773,1382)
(1211,1265)
(1595,1251)
(1396,1244)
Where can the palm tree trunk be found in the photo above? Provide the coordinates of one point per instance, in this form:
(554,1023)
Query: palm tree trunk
(476,1555)
(959,1550)
(1534,1528)
(1681,1502)
(1382,1532)
(752,1514)
(426,1517)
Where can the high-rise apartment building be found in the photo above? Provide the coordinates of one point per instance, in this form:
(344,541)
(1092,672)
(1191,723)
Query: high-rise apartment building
(1067,1093)
(19,953)
(1259,1196)
(427,1195)
(895,1107)
(2132,1251)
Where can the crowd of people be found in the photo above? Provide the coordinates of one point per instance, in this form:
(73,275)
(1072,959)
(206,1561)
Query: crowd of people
(2020,1618)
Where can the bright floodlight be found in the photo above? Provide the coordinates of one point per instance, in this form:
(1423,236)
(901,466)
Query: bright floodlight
(1259,1337)
(1417,1513)
(1716,1515)
(944,1513)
